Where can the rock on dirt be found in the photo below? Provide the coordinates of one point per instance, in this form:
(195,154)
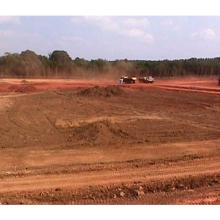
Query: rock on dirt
(114,196)
(122,194)
(139,193)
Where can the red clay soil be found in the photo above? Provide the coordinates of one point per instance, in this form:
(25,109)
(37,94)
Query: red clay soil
(129,144)
(199,85)
(12,85)
(34,85)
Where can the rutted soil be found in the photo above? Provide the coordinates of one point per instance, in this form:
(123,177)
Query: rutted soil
(97,143)
(22,88)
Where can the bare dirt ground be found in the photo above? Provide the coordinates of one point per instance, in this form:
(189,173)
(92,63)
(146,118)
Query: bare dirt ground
(80,142)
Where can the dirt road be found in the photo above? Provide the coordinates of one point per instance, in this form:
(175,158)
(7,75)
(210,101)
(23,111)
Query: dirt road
(194,85)
(33,85)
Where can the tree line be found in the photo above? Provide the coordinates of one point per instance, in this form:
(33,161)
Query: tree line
(59,64)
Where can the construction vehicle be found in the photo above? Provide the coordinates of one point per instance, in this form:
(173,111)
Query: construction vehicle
(127,80)
(146,79)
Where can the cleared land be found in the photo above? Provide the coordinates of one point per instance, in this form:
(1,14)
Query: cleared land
(80,142)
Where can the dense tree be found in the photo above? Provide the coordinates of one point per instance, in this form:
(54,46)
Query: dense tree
(11,64)
(60,58)
(60,64)
(31,62)
(80,62)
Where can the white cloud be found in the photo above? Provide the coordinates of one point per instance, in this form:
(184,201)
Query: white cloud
(167,22)
(136,22)
(105,23)
(6,33)
(134,32)
(72,38)
(9,20)
(205,34)
(170,24)
(66,40)
(130,27)
(138,33)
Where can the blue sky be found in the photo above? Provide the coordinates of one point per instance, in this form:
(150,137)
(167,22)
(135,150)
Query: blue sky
(112,38)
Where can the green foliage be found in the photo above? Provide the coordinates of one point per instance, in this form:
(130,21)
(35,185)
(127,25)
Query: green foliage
(59,63)
(11,64)
(60,58)
(81,63)
(31,62)
(99,65)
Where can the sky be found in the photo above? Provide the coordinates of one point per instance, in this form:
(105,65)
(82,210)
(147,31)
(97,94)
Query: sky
(116,37)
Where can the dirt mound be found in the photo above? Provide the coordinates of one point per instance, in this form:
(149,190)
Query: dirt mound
(24,81)
(23,88)
(98,91)
(99,132)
